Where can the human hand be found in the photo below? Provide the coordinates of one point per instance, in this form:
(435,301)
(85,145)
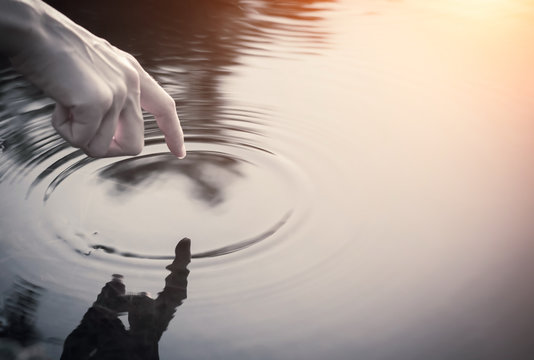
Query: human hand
(99,90)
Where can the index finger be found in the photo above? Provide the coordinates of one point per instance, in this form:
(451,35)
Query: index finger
(156,101)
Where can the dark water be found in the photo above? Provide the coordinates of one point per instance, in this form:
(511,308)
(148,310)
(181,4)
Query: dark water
(359,185)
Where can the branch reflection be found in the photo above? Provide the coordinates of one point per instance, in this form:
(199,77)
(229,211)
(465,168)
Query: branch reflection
(209,173)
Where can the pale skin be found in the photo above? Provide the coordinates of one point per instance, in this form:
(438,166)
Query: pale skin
(99,89)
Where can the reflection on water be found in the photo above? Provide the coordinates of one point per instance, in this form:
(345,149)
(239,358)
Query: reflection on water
(356,186)
(199,169)
(101,335)
(187,45)
(19,312)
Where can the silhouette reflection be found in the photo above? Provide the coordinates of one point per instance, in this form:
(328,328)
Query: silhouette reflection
(102,335)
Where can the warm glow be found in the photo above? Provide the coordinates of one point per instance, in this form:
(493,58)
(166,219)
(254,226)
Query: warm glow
(480,8)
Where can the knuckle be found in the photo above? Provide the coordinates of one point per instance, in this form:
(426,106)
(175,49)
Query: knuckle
(131,77)
(130,58)
(100,43)
(101,99)
(169,103)
(120,91)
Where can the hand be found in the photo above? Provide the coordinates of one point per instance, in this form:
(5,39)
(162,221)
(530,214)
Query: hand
(99,90)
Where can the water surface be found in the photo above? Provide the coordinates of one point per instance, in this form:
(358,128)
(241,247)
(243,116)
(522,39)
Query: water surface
(358,184)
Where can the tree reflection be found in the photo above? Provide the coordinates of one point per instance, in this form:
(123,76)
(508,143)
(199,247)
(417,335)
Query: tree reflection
(102,335)
(210,173)
(19,313)
(188,45)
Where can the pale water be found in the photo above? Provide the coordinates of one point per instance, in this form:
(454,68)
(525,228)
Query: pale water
(359,183)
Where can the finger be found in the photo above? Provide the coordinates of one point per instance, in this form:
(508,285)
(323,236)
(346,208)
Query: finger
(183,251)
(128,138)
(182,255)
(77,125)
(156,101)
(60,119)
(100,143)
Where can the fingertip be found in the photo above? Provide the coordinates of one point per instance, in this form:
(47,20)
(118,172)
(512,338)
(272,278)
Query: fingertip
(182,154)
(176,149)
(183,250)
(185,242)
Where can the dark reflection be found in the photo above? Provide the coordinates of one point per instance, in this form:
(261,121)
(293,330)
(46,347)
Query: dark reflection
(17,322)
(209,34)
(102,335)
(190,45)
(209,172)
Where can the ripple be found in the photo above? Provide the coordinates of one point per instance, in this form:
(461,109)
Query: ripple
(227,197)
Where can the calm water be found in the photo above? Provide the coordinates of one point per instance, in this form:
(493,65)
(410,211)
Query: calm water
(359,185)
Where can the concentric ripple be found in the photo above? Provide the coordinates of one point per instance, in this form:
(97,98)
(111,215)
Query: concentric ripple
(138,207)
